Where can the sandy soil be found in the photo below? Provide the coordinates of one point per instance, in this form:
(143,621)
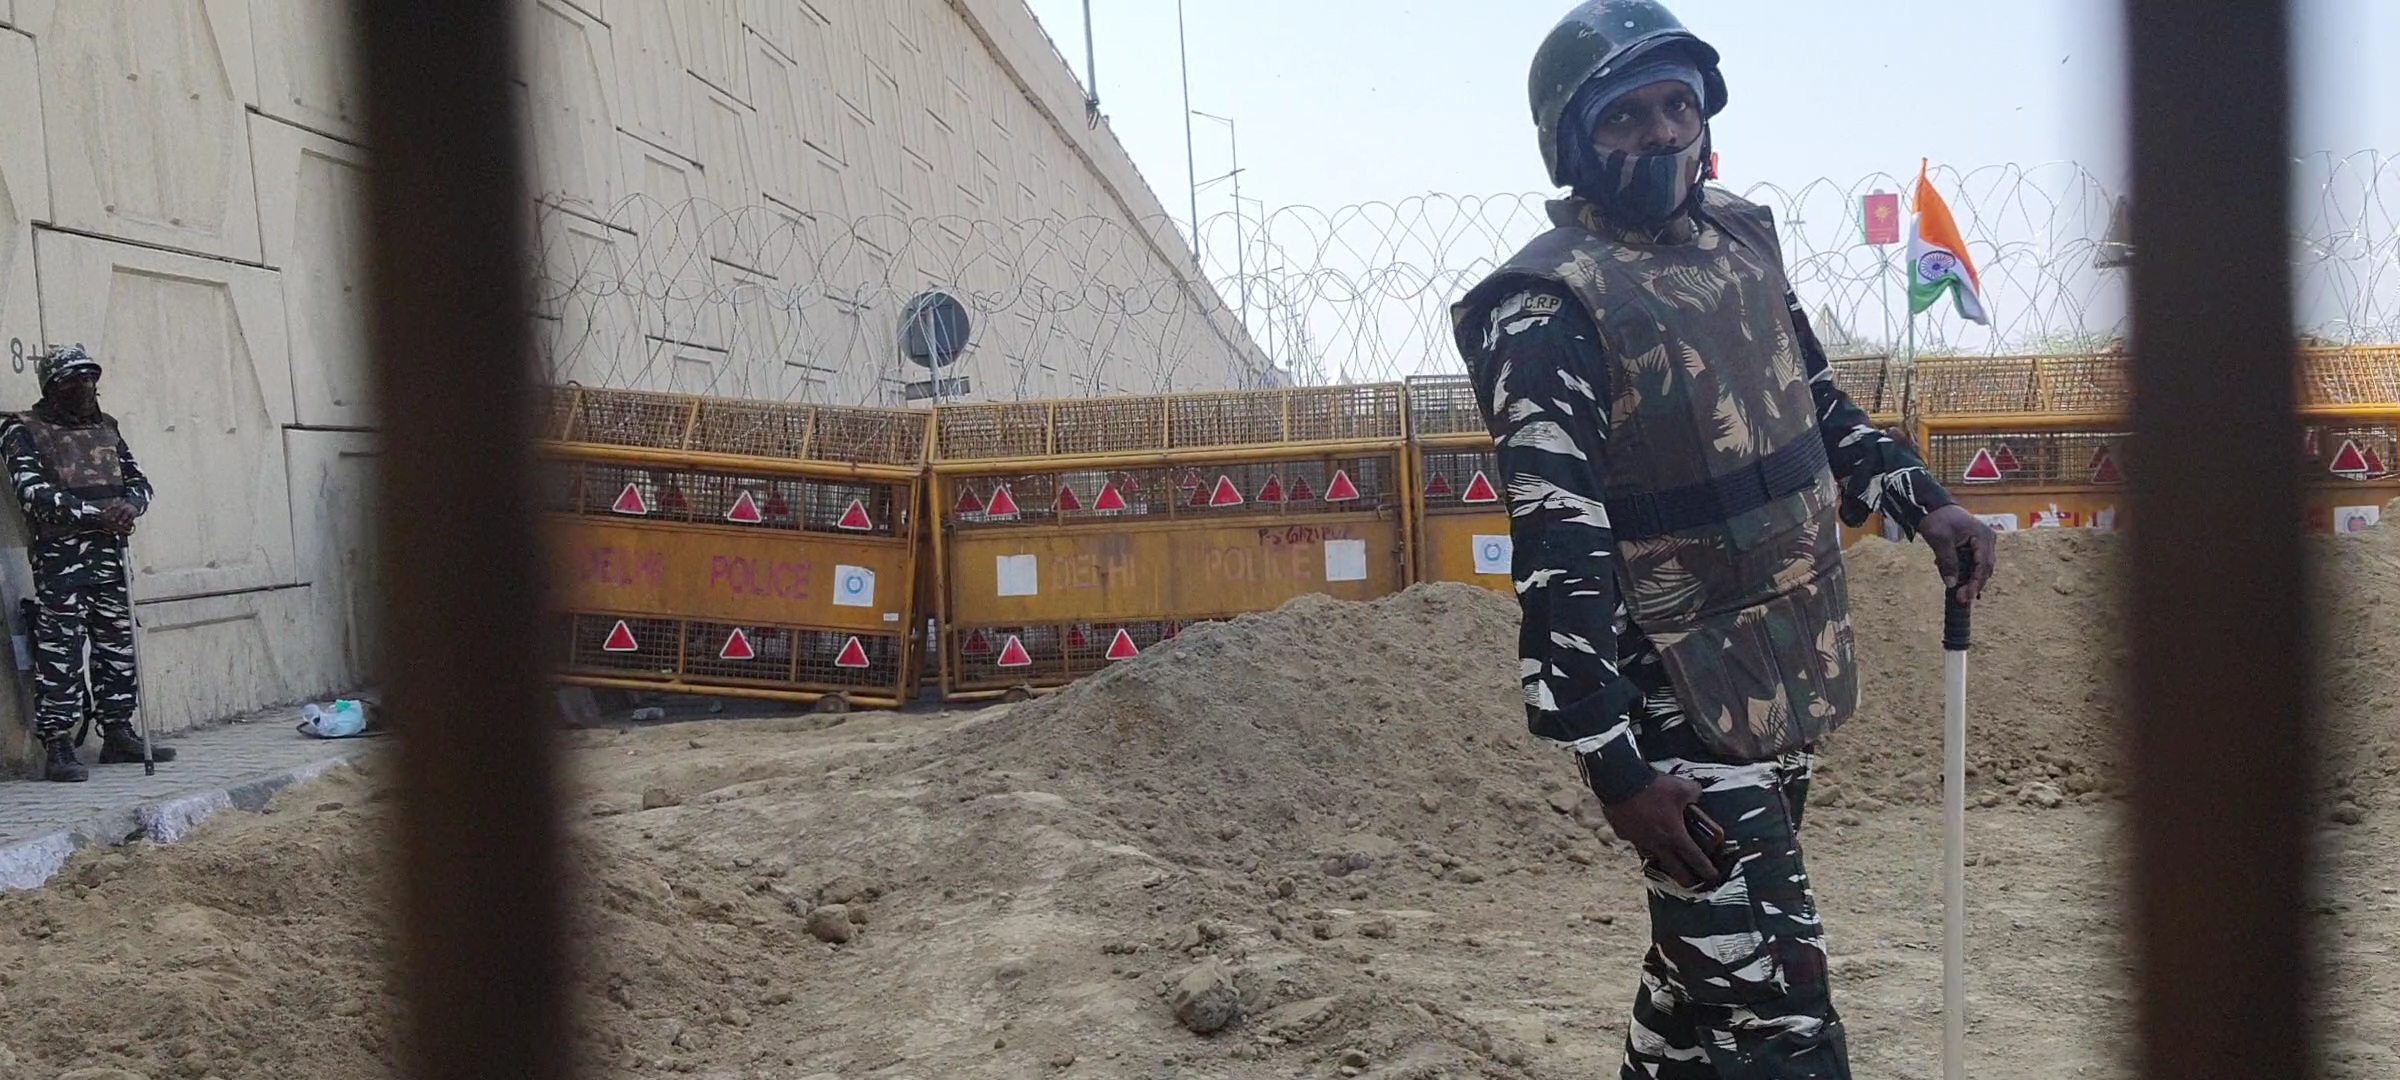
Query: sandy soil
(1335,805)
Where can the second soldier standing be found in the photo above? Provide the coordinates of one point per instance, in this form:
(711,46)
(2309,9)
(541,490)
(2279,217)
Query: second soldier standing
(81,492)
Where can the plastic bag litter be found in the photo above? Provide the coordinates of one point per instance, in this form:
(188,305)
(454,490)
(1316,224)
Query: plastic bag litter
(347,718)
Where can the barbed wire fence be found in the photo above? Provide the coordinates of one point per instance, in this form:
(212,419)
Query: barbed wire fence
(768,303)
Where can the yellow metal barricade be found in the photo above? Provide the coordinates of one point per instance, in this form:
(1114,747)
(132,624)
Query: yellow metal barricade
(1073,534)
(1460,505)
(2035,442)
(736,548)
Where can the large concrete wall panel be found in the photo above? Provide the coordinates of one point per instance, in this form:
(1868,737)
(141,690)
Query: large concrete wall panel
(198,378)
(24,199)
(307,72)
(572,81)
(208,658)
(652,69)
(143,104)
(718,55)
(333,513)
(312,215)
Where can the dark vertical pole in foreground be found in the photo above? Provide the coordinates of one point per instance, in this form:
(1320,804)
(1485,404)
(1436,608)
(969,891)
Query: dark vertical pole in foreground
(482,954)
(2222,737)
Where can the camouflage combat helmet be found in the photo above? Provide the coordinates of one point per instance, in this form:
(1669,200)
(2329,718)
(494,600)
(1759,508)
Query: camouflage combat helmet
(62,362)
(1599,36)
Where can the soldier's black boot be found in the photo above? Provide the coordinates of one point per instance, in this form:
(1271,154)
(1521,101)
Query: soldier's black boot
(119,745)
(60,763)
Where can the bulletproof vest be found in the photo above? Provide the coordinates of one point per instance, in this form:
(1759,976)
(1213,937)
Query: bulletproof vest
(1717,487)
(83,458)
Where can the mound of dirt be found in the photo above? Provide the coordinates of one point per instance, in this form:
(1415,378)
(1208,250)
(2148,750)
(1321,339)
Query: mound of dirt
(1328,819)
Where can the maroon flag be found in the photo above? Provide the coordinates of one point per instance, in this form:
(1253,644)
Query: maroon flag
(1881,211)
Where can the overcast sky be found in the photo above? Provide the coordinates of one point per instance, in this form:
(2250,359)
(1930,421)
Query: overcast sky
(1346,101)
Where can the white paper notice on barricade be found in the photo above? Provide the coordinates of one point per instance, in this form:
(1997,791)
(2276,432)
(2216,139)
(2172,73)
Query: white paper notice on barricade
(1494,554)
(1345,560)
(1020,575)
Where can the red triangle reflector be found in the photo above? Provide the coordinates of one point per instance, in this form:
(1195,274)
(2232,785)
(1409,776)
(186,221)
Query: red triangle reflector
(737,647)
(1983,470)
(1075,638)
(1110,499)
(1300,492)
(1067,502)
(744,512)
(854,655)
(2104,467)
(1189,480)
(1199,497)
(670,498)
(1273,492)
(1341,489)
(621,640)
(2007,460)
(1122,647)
(1479,490)
(1225,494)
(1013,654)
(1438,487)
(1131,483)
(855,519)
(968,502)
(2351,461)
(1003,504)
(776,507)
(976,645)
(629,501)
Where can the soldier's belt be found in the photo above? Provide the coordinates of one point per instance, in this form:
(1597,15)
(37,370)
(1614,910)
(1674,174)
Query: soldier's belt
(1643,515)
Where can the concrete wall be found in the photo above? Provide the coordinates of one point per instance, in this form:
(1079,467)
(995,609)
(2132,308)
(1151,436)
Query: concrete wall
(740,197)
(180,186)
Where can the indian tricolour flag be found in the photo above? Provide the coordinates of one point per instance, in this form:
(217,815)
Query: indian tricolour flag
(1937,257)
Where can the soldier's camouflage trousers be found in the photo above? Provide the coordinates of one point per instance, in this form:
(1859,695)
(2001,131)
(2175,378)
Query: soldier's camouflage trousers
(80,597)
(1734,985)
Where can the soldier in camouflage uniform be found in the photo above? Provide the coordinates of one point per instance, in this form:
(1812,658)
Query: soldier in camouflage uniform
(81,492)
(1677,459)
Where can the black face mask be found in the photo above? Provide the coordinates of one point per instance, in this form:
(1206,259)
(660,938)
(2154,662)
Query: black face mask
(1649,189)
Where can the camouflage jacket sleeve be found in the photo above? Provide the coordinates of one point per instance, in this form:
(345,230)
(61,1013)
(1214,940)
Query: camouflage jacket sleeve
(137,483)
(44,501)
(1878,473)
(1541,392)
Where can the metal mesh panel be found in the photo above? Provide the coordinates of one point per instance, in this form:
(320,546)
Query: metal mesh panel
(2031,459)
(819,662)
(631,418)
(1443,405)
(1300,487)
(2356,376)
(554,411)
(776,502)
(869,436)
(1869,383)
(1953,387)
(1449,476)
(1343,413)
(588,640)
(1226,419)
(754,428)
(2087,384)
(696,651)
(1054,655)
(706,645)
(1107,425)
(1169,422)
(988,432)
(2358,451)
